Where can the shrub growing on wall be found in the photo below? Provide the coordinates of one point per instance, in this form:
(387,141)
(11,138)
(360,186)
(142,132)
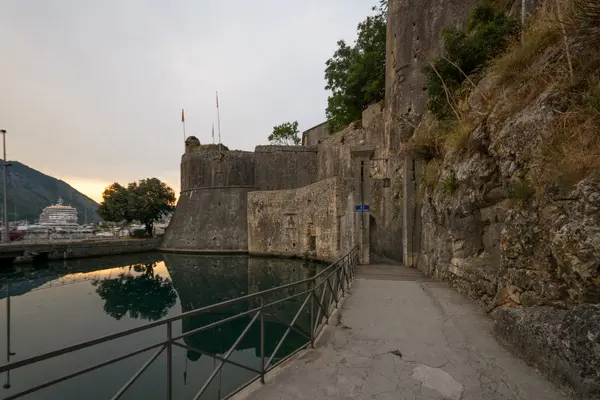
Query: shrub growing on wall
(489,32)
(286,134)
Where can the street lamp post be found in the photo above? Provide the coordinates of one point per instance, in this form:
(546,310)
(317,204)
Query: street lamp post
(5,233)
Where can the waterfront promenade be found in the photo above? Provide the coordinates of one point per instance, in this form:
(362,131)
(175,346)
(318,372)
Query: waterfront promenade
(401,335)
(25,251)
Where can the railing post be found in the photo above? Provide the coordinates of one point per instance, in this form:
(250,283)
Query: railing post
(262,340)
(337,287)
(8,353)
(344,276)
(312,313)
(169,361)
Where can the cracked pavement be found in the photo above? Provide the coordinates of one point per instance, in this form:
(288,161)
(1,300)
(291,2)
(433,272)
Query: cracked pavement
(404,336)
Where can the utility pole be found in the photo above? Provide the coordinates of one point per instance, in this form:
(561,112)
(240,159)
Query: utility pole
(5,238)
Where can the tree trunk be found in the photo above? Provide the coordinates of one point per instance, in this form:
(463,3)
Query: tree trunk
(149,228)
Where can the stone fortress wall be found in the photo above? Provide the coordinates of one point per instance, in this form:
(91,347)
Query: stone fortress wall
(211,211)
(292,200)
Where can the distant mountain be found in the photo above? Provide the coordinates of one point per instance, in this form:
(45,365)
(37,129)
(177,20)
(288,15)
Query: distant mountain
(29,191)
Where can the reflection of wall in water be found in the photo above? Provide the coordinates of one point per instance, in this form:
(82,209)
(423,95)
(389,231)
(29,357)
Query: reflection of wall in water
(204,280)
(266,273)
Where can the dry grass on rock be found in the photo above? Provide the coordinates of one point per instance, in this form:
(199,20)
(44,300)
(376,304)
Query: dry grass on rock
(568,64)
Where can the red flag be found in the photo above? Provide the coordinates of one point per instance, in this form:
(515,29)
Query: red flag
(182,116)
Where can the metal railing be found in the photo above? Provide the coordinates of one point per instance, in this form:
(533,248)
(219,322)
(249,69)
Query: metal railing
(320,295)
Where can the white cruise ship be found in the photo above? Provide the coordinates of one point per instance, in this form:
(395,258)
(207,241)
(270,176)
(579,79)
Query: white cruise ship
(58,215)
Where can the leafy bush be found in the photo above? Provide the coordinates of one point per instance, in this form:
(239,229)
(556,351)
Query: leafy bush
(489,32)
(285,134)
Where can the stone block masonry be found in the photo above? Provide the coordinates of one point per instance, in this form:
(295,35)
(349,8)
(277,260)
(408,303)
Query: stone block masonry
(315,135)
(211,211)
(383,171)
(296,222)
(284,167)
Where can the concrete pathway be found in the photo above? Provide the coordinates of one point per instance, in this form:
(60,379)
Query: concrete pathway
(404,336)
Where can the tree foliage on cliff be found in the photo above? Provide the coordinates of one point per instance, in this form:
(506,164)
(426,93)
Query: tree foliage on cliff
(489,32)
(356,74)
(285,134)
(144,201)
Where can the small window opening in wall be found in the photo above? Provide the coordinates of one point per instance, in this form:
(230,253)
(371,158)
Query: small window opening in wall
(312,243)
(386,182)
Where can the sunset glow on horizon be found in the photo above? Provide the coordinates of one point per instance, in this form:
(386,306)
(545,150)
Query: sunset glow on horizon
(94,189)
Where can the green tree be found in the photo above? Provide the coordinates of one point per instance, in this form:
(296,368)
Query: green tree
(145,201)
(285,134)
(152,199)
(115,205)
(356,74)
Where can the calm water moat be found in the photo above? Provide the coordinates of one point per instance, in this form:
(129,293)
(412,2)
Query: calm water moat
(63,303)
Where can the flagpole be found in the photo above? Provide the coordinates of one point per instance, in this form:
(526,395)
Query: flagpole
(183,123)
(213,133)
(218,120)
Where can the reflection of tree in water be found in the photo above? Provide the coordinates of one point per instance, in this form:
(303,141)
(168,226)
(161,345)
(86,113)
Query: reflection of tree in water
(145,296)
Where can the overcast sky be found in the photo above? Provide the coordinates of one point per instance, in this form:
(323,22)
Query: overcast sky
(91,91)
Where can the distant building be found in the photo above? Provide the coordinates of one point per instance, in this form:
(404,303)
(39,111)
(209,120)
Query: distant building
(315,135)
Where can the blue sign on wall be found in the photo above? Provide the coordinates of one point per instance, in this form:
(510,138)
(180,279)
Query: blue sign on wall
(362,208)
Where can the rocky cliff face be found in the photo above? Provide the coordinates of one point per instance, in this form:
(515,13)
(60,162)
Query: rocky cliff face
(510,206)
(492,236)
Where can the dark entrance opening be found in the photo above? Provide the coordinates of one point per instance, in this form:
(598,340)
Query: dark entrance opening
(373,248)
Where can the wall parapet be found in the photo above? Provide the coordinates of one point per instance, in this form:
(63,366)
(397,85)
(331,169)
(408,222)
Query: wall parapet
(277,149)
